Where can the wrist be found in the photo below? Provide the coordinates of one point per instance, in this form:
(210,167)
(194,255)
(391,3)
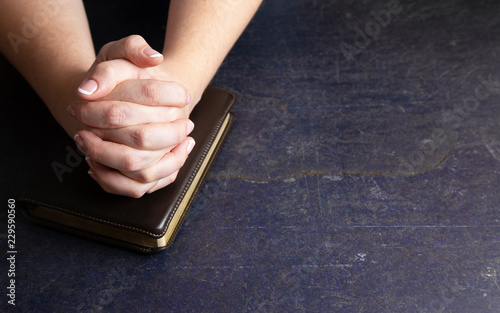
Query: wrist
(61,96)
(187,75)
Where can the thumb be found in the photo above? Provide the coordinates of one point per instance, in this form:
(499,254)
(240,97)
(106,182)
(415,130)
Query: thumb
(102,78)
(134,49)
(116,62)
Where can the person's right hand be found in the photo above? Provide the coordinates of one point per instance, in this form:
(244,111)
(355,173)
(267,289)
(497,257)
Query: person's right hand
(135,122)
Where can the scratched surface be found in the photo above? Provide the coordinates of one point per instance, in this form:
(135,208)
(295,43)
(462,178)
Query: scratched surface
(363,185)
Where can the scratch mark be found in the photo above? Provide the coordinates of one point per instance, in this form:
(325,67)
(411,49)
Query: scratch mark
(47,285)
(469,238)
(337,69)
(492,151)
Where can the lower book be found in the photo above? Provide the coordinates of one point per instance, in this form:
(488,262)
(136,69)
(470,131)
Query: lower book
(65,197)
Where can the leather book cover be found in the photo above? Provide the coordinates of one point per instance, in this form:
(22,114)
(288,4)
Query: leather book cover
(64,196)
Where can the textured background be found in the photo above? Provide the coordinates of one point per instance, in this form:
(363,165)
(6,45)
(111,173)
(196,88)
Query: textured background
(359,185)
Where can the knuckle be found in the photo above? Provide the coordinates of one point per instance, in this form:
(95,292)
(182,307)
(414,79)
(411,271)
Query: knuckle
(172,178)
(128,42)
(152,92)
(106,188)
(105,47)
(131,162)
(114,115)
(132,41)
(167,181)
(136,193)
(140,138)
(105,70)
(146,176)
(131,44)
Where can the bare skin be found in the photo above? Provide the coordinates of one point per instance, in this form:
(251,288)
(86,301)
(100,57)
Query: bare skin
(128,107)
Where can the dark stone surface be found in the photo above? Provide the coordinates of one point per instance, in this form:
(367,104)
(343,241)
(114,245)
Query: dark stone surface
(344,186)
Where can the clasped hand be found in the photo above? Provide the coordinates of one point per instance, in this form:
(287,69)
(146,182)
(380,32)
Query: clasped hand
(134,120)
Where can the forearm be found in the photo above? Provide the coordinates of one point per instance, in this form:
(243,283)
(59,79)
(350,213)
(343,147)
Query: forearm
(199,35)
(49,42)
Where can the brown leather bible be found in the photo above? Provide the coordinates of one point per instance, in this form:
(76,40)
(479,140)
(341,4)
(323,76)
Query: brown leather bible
(63,195)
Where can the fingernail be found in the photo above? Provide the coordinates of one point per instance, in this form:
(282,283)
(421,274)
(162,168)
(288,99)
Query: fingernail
(71,111)
(79,142)
(91,173)
(190,146)
(89,162)
(88,87)
(152,53)
(190,127)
